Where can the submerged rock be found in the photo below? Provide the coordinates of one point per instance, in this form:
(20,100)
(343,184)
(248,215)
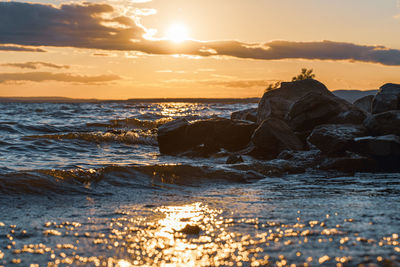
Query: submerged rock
(335,138)
(277,102)
(315,109)
(273,136)
(233,159)
(387,98)
(384,123)
(365,103)
(247,114)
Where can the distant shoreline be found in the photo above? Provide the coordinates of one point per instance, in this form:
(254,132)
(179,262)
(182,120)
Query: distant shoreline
(349,95)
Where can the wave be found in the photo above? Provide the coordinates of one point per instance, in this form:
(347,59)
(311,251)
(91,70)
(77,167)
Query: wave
(118,136)
(104,180)
(131,123)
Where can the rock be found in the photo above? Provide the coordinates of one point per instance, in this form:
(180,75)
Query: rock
(277,102)
(380,146)
(204,137)
(352,116)
(220,133)
(233,159)
(273,136)
(247,114)
(365,103)
(315,109)
(349,163)
(191,230)
(387,98)
(384,123)
(170,136)
(335,138)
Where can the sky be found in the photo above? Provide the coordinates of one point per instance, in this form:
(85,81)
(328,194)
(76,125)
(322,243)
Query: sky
(121,49)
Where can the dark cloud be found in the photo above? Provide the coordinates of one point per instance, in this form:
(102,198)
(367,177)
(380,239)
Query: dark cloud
(35,65)
(60,77)
(19,48)
(85,26)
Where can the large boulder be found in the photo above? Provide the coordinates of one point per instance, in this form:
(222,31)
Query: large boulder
(335,138)
(387,98)
(380,146)
(365,103)
(206,137)
(247,114)
(314,109)
(384,123)
(170,136)
(277,102)
(273,136)
(349,163)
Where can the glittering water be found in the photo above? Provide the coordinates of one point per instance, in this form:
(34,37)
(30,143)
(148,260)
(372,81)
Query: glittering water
(84,185)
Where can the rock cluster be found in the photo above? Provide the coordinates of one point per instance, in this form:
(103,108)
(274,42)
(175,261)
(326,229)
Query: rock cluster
(296,119)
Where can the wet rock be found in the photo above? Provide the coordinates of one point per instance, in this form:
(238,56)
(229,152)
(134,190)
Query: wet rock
(277,102)
(349,163)
(384,123)
(335,138)
(381,146)
(365,103)
(315,109)
(204,137)
(191,230)
(247,114)
(273,136)
(233,159)
(387,98)
(170,136)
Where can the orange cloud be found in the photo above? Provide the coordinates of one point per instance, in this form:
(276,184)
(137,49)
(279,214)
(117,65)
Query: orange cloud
(60,77)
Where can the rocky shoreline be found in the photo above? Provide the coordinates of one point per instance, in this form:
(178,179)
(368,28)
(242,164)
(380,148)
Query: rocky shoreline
(298,127)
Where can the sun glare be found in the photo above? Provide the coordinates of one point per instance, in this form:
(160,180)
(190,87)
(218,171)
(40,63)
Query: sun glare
(177,32)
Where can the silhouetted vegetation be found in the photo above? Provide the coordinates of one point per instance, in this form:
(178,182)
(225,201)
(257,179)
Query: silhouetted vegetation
(273,86)
(304,75)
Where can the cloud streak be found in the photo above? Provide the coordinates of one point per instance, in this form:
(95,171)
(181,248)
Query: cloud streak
(59,77)
(92,26)
(35,65)
(19,48)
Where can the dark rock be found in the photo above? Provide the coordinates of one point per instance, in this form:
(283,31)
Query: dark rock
(277,102)
(233,159)
(353,116)
(349,163)
(204,138)
(387,98)
(381,146)
(365,103)
(335,138)
(247,114)
(191,230)
(315,109)
(170,136)
(384,123)
(273,136)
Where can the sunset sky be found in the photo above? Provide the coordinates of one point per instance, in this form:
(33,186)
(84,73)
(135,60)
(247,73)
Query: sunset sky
(122,49)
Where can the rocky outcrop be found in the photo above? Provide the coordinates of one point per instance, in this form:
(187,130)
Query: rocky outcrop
(276,103)
(315,109)
(384,123)
(335,138)
(387,98)
(352,116)
(349,163)
(206,136)
(365,103)
(274,136)
(247,114)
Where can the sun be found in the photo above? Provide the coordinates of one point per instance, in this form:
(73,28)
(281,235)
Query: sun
(177,32)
